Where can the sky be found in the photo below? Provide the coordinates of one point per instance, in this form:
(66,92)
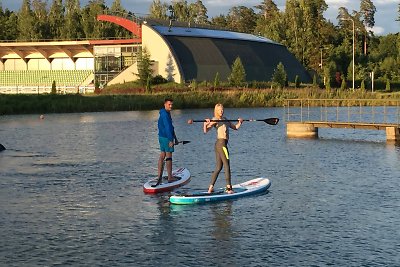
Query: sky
(385,17)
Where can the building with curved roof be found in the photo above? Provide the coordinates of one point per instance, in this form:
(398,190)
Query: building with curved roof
(186,54)
(178,53)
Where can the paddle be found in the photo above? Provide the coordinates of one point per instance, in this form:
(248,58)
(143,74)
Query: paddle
(182,142)
(271,121)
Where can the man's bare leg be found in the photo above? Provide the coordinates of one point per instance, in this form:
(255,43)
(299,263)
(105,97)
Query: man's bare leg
(160,167)
(168,161)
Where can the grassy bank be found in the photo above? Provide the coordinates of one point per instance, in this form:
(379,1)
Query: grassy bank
(38,104)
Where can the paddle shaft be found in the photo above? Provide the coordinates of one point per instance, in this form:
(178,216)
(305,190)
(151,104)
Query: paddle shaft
(271,121)
(226,120)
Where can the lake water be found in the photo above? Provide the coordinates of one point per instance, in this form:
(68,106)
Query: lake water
(71,194)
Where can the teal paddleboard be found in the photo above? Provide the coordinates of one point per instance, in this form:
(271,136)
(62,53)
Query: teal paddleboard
(254,186)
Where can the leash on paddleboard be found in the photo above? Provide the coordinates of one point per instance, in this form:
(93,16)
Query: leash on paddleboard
(270,121)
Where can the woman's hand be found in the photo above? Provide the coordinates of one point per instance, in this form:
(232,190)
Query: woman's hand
(206,125)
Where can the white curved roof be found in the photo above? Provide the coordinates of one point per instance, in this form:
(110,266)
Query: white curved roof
(197,32)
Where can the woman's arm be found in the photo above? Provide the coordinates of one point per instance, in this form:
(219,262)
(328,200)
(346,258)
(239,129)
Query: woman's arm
(237,125)
(208,124)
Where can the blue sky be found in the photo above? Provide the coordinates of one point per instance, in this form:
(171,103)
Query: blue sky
(385,18)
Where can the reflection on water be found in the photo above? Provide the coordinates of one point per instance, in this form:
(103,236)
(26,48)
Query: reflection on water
(71,194)
(222,221)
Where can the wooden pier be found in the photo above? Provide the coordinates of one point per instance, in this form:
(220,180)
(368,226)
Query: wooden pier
(305,116)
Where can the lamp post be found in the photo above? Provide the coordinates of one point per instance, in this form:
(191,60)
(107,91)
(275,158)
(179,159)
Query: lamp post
(352,20)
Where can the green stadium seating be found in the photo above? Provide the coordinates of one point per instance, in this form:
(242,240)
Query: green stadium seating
(43,77)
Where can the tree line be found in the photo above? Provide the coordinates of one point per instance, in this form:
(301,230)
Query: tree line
(317,43)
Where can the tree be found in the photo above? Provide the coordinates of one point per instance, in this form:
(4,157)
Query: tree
(111,29)
(144,64)
(220,21)
(242,19)
(73,24)
(270,22)
(158,10)
(343,86)
(40,18)
(216,80)
(367,10)
(198,12)
(25,21)
(279,77)
(181,10)
(56,19)
(268,9)
(387,88)
(398,11)
(93,28)
(11,32)
(297,81)
(238,74)
(53,88)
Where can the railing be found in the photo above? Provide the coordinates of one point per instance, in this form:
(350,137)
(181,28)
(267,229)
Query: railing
(45,89)
(368,111)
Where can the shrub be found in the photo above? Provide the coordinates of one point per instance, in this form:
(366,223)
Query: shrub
(238,74)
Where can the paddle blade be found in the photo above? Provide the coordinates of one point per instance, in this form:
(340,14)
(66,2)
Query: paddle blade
(271,121)
(182,142)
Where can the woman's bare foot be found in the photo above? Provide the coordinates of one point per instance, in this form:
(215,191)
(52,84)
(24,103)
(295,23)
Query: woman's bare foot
(229,189)
(210,189)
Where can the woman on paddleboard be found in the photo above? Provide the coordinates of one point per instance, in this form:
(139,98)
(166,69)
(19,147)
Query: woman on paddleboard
(221,145)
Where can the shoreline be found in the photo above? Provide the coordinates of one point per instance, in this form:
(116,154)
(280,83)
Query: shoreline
(232,98)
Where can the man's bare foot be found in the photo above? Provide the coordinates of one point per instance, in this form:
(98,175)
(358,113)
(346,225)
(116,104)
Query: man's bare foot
(173,179)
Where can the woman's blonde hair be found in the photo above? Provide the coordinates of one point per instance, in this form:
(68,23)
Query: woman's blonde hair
(218,105)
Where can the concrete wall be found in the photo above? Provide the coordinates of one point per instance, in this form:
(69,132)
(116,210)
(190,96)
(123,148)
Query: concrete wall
(39,64)
(15,64)
(128,75)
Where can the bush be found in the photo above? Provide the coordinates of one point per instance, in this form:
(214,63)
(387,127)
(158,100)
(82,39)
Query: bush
(158,79)
(297,81)
(238,74)
(53,88)
(280,77)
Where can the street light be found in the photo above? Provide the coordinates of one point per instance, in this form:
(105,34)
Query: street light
(353,43)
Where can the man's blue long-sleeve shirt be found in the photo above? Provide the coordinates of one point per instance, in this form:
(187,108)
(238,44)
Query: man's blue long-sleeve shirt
(165,127)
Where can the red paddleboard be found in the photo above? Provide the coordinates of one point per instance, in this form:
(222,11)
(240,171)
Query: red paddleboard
(182,175)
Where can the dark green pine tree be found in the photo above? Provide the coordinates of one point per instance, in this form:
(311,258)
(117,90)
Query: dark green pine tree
(73,27)
(25,22)
(10,31)
(40,20)
(3,20)
(279,78)
(238,74)
(91,26)
(145,71)
(56,19)
(111,29)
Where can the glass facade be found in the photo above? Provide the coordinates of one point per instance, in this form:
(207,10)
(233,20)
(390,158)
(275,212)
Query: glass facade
(109,61)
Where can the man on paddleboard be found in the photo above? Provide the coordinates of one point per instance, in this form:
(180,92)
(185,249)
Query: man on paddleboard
(167,140)
(221,145)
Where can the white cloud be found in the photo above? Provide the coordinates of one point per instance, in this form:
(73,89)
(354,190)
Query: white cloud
(377,30)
